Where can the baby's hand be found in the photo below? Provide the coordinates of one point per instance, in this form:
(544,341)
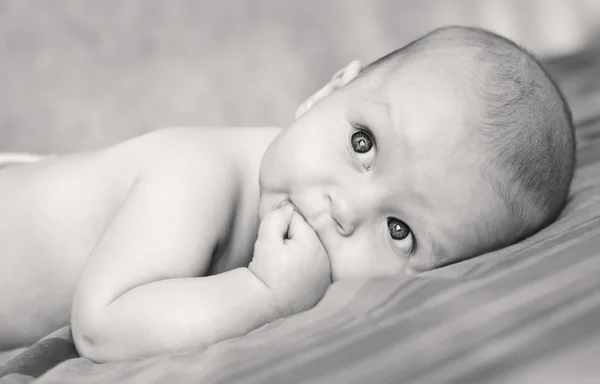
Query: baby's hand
(295,267)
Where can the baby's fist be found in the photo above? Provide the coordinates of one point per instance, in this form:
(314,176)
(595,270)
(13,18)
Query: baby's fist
(291,261)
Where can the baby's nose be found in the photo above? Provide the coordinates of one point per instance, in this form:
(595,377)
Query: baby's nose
(345,212)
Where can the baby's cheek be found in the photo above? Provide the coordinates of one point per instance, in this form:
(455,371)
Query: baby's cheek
(272,173)
(361,263)
(419,263)
(349,264)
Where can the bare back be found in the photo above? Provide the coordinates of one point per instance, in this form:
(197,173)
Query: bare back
(53,212)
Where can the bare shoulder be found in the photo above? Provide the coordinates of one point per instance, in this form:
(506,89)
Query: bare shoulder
(102,178)
(214,172)
(69,200)
(208,178)
(197,152)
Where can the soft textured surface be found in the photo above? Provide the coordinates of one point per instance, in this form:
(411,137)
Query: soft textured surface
(526,313)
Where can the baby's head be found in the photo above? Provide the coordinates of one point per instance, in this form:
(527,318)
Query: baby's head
(455,145)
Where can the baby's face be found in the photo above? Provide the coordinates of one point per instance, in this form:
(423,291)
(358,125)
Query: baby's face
(384,174)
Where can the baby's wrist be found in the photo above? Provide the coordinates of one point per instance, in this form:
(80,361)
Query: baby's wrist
(281,307)
(273,303)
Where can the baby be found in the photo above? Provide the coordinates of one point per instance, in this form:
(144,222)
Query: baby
(455,145)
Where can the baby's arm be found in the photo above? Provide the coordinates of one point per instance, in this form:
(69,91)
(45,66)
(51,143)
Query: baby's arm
(137,294)
(173,315)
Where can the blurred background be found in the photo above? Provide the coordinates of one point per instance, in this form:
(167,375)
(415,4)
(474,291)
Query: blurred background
(77,75)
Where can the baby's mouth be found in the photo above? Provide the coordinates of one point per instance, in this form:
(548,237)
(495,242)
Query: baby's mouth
(282,203)
(297,210)
(295,207)
(289,201)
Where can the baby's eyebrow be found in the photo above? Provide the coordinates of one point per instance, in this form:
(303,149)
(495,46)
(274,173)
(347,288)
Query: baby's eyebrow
(377,102)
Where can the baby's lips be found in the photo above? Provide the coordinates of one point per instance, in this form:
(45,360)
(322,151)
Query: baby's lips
(286,203)
(283,204)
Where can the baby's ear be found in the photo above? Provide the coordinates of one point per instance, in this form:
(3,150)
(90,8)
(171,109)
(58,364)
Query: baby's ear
(341,78)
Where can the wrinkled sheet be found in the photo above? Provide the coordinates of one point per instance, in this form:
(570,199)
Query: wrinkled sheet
(527,313)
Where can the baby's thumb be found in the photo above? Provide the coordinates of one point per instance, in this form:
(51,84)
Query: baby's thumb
(275,224)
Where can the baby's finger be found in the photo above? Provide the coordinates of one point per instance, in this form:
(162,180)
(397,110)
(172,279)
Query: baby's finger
(275,224)
(300,231)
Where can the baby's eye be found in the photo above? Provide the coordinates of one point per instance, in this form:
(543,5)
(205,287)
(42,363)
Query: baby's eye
(401,234)
(362,143)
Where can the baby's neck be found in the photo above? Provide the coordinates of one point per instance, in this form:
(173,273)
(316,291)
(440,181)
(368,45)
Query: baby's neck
(249,146)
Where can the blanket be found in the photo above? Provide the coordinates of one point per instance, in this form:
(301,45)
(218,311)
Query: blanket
(526,313)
